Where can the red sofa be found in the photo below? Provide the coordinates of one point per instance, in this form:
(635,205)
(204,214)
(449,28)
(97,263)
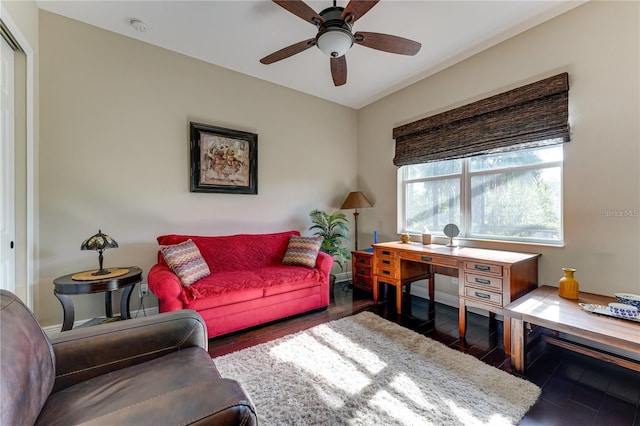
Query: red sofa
(248,284)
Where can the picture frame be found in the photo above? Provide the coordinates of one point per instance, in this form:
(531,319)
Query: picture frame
(223,160)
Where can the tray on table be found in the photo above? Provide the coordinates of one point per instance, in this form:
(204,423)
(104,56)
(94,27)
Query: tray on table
(604,310)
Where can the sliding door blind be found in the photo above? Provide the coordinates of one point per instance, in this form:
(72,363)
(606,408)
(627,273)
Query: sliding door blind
(530,116)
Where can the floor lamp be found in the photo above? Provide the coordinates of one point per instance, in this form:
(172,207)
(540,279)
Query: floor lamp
(356,200)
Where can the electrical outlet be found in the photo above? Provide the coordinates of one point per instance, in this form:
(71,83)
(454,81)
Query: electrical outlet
(144,289)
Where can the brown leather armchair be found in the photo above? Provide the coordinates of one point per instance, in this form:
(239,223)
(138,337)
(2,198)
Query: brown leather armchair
(152,370)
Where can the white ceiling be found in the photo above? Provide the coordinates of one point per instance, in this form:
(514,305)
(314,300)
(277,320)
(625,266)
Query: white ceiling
(237,34)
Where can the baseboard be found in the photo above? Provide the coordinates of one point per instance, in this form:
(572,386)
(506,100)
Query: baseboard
(53,329)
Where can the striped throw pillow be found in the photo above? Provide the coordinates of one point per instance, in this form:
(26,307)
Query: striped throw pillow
(302,251)
(186,262)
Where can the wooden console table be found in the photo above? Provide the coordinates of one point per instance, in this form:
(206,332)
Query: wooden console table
(488,279)
(543,307)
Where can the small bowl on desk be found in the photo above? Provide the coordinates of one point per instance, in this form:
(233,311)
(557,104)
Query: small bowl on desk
(623,310)
(628,299)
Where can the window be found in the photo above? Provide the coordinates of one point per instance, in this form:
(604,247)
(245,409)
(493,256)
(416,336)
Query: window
(513,196)
(493,167)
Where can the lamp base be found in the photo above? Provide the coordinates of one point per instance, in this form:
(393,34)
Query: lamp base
(355,219)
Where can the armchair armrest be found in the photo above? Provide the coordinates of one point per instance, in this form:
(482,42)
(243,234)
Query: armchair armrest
(88,352)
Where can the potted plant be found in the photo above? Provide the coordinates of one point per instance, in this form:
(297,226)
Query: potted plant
(335,232)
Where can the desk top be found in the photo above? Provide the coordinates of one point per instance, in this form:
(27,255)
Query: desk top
(544,307)
(499,256)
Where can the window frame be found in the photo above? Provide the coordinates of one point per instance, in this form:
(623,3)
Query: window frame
(466,215)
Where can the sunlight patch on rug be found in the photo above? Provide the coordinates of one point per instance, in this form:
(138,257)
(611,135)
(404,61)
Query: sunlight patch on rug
(364,370)
(332,370)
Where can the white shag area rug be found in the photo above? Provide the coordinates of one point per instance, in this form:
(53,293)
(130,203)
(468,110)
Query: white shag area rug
(365,370)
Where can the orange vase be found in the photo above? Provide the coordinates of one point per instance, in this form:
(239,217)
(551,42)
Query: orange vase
(568,286)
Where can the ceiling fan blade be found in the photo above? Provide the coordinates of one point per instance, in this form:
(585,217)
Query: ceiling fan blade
(387,43)
(358,8)
(301,10)
(339,70)
(288,51)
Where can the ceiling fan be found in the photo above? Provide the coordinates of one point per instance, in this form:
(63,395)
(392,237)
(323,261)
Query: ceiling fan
(335,35)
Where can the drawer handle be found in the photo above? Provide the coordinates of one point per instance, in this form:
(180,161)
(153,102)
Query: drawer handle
(426,258)
(483,295)
(386,252)
(362,271)
(386,272)
(386,262)
(362,261)
(482,268)
(483,281)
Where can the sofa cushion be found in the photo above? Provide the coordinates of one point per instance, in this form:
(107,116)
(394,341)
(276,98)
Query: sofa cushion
(185,261)
(237,252)
(166,390)
(302,251)
(225,288)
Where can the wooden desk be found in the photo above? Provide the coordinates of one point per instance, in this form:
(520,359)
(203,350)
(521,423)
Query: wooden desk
(488,279)
(545,308)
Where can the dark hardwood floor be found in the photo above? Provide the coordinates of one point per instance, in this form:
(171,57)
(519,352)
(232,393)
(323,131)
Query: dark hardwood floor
(576,390)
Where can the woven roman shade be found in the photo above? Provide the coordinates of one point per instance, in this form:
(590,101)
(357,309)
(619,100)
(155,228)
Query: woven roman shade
(530,116)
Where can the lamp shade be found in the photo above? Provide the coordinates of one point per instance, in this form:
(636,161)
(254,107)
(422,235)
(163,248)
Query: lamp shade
(99,242)
(356,200)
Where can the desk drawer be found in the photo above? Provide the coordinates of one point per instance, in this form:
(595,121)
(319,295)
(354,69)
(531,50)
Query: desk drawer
(387,268)
(433,259)
(483,281)
(485,268)
(382,253)
(483,296)
(361,260)
(362,270)
(363,282)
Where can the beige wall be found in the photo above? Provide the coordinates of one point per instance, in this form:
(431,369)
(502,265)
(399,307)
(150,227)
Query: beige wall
(115,153)
(598,45)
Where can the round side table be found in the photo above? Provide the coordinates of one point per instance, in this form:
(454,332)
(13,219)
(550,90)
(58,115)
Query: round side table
(66,285)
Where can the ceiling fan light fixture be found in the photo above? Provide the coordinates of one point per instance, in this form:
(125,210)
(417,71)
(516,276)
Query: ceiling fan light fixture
(334,42)
(335,35)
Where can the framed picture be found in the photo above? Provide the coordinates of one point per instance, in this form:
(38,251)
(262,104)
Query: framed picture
(223,160)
